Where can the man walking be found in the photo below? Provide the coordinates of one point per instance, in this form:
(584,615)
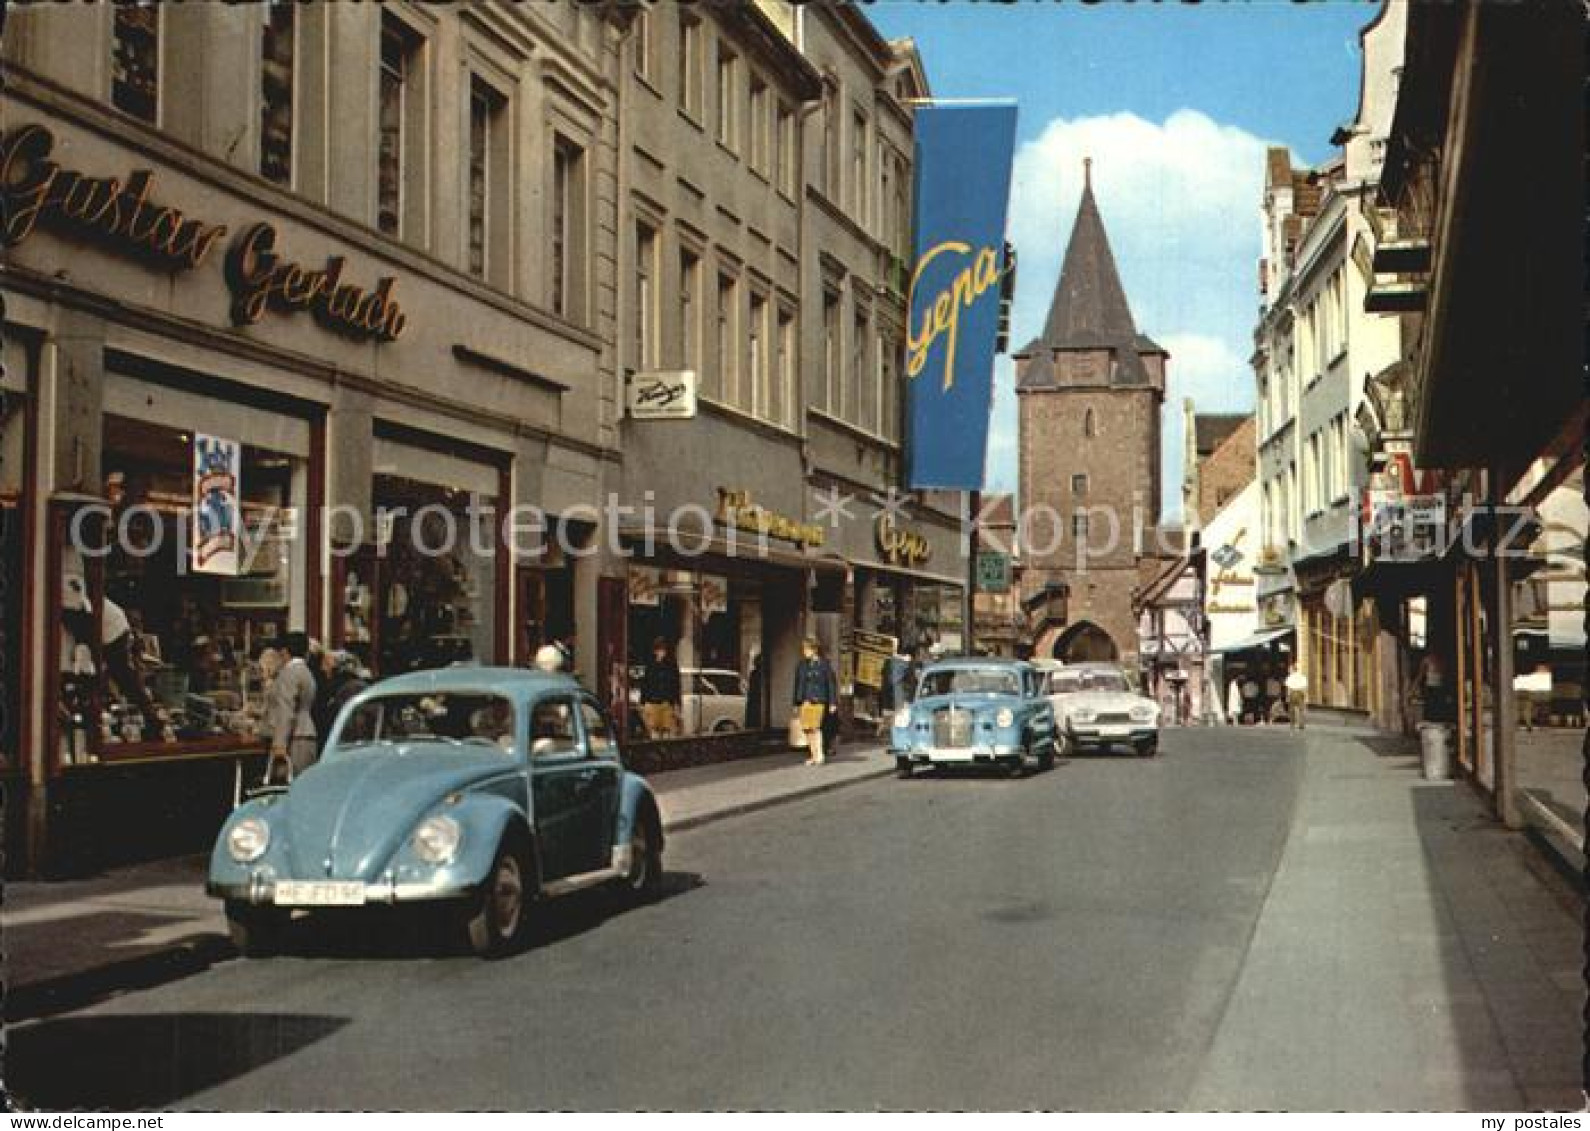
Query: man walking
(1296,696)
(289,710)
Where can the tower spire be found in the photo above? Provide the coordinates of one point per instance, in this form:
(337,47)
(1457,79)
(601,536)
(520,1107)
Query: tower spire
(1087,172)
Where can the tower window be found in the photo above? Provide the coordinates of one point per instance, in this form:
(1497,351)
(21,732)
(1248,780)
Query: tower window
(1090,424)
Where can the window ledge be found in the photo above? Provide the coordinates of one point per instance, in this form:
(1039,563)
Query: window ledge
(855,430)
(693,118)
(738,414)
(729,149)
(645,81)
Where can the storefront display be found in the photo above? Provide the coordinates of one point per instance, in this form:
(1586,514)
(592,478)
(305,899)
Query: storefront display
(180,658)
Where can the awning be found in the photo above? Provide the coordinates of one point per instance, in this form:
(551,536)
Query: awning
(1261,639)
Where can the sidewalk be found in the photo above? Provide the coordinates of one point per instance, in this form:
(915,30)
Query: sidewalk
(72,942)
(1411,955)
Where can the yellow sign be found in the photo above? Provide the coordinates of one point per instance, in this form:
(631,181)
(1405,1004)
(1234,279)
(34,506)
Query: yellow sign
(900,547)
(736,509)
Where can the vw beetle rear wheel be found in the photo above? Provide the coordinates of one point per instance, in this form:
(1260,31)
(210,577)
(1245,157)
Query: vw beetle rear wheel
(256,931)
(497,911)
(645,858)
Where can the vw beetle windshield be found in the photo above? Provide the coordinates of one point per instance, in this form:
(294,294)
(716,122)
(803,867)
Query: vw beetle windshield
(971,681)
(450,719)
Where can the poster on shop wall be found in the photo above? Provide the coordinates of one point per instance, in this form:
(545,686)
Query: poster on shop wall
(217,505)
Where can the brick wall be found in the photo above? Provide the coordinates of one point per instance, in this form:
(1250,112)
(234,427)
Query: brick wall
(1226,470)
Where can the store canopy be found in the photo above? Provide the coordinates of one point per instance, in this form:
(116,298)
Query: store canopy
(1263,638)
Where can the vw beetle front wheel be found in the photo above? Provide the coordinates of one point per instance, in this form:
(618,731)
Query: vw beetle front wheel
(497,912)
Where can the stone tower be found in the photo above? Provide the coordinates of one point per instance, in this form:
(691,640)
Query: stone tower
(1089,392)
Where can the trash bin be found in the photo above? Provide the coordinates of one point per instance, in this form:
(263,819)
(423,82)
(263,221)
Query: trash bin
(1435,744)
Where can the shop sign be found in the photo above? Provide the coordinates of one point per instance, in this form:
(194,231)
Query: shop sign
(659,395)
(217,506)
(962,183)
(993,572)
(899,546)
(737,509)
(714,595)
(117,213)
(645,586)
(261,281)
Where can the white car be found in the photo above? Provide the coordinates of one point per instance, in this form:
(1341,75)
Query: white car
(1096,707)
(714,700)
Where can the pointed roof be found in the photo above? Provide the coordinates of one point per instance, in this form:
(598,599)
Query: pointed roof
(1089,308)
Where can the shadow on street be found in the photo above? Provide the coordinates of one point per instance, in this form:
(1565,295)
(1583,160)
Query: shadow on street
(142,1061)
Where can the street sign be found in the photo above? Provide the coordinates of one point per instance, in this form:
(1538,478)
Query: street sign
(661,395)
(993,572)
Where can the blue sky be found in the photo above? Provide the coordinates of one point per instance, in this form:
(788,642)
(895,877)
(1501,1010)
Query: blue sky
(1175,103)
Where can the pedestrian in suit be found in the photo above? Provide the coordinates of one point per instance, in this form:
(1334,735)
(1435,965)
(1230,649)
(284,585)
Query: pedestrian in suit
(753,694)
(816,697)
(289,708)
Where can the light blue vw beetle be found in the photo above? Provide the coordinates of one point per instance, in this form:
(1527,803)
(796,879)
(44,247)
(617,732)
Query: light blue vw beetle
(975,710)
(481,789)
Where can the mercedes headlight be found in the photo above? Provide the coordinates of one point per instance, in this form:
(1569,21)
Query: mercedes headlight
(1083,714)
(1143,713)
(902,717)
(247,840)
(436,840)
(1005,718)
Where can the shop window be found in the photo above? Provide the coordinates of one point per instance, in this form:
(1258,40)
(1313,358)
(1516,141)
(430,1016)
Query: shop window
(135,60)
(155,650)
(711,626)
(435,584)
(13,417)
(277,52)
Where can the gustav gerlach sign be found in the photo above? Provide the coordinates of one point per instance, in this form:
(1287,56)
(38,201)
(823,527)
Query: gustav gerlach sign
(123,215)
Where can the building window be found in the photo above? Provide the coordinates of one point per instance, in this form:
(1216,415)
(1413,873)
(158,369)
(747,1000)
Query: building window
(784,171)
(858,166)
(784,381)
(902,207)
(1079,528)
(728,97)
(135,60)
(276,93)
(567,227)
(853,397)
(831,365)
(885,202)
(400,111)
(830,169)
(759,125)
(488,219)
(641,32)
(1090,424)
(645,297)
(760,393)
(690,310)
(690,66)
(1079,485)
(728,382)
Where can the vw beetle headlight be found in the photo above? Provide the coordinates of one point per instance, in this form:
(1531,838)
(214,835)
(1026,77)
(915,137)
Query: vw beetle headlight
(1082,714)
(247,840)
(1143,713)
(902,717)
(1005,718)
(436,840)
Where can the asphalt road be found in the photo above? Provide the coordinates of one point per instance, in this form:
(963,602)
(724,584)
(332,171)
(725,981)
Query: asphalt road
(1066,941)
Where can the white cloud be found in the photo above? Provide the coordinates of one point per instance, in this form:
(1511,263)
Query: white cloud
(1180,201)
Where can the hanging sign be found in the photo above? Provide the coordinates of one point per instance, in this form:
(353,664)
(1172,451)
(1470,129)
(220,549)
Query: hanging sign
(217,504)
(963,164)
(658,395)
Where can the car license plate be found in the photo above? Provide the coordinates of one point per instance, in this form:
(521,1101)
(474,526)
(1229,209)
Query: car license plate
(1115,731)
(319,893)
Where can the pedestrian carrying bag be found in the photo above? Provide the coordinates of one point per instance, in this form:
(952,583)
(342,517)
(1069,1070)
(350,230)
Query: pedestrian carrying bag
(811,716)
(797,737)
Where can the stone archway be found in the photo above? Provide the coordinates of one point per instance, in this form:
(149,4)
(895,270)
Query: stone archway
(1085,641)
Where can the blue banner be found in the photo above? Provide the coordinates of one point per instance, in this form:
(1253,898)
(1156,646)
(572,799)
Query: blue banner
(963,159)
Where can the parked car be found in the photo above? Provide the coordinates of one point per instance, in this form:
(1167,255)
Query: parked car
(712,700)
(971,711)
(1097,707)
(478,790)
